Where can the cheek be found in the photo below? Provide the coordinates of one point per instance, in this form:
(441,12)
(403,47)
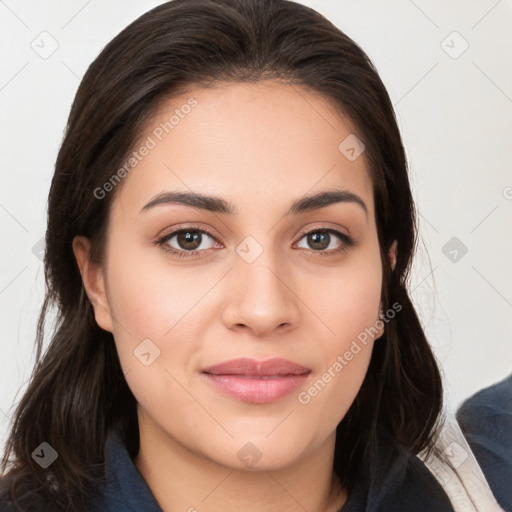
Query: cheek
(154,314)
(347,300)
(144,306)
(149,297)
(160,320)
(332,392)
(348,308)
(345,356)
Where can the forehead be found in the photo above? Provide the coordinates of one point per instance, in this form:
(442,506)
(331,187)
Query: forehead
(266,142)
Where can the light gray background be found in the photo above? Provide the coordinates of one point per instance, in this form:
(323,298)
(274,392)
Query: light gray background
(454,109)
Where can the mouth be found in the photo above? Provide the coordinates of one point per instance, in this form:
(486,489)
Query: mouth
(254,381)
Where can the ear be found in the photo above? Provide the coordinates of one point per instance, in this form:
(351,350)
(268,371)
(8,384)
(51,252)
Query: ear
(392,254)
(381,329)
(94,282)
(392,251)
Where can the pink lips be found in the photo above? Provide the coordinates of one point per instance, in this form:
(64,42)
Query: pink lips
(257,381)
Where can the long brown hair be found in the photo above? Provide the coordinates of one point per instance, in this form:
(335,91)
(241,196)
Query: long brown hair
(77,390)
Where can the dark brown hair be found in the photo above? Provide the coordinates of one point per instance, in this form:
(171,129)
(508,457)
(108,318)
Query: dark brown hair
(77,391)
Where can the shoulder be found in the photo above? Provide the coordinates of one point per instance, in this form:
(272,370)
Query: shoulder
(494,402)
(486,421)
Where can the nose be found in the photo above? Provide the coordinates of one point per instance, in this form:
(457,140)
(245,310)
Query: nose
(263,299)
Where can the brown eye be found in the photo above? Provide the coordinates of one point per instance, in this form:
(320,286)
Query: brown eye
(186,242)
(319,240)
(323,241)
(189,240)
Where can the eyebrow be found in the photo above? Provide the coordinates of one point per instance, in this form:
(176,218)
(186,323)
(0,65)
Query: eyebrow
(219,205)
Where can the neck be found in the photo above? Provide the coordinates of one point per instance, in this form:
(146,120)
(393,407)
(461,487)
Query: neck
(184,480)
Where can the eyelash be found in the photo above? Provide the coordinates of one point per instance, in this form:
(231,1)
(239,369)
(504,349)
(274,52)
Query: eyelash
(347,241)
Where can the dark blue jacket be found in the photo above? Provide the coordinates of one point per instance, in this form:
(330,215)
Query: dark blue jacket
(486,421)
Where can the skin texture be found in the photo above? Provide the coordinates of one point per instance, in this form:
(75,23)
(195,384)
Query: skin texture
(259,147)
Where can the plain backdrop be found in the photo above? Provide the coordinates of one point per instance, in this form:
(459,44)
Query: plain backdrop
(447,68)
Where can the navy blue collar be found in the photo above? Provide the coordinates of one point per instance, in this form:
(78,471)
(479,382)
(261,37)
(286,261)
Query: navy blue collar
(401,483)
(125,489)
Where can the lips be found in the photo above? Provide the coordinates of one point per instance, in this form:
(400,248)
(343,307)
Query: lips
(256,381)
(252,368)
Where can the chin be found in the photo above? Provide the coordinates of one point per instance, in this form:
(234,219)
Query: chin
(260,454)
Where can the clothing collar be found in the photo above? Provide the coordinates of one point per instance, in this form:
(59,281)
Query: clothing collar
(400,482)
(125,488)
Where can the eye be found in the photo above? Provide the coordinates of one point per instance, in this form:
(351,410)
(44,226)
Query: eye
(186,241)
(323,242)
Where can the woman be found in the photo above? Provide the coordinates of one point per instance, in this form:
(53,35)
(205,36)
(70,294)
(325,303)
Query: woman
(230,229)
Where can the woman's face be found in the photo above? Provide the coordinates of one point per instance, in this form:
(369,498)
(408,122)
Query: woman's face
(247,281)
